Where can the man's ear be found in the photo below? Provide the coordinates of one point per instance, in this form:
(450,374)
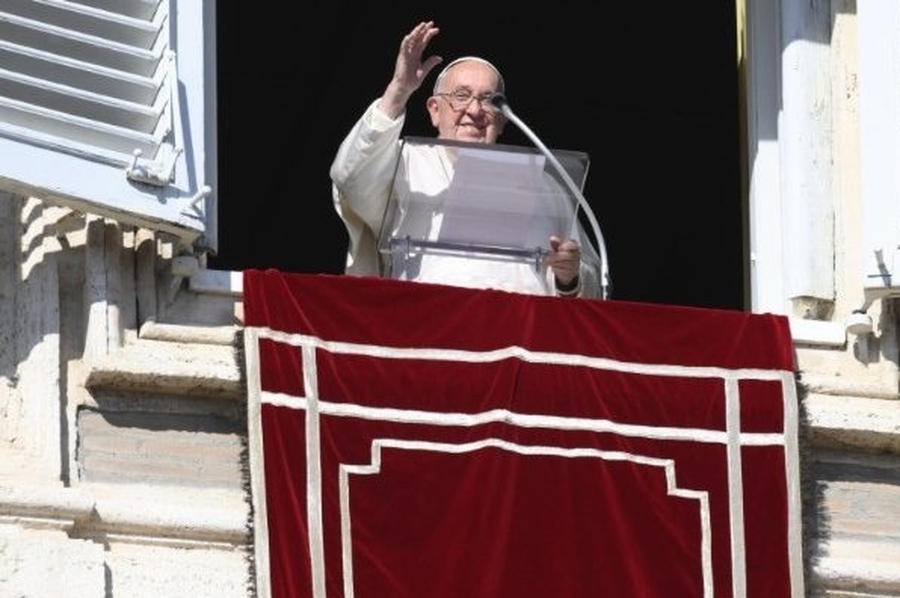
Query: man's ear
(433,109)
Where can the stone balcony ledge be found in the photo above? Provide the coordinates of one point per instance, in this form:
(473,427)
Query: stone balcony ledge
(195,361)
(862,424)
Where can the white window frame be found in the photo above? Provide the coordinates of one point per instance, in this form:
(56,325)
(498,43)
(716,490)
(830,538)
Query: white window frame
(770,268)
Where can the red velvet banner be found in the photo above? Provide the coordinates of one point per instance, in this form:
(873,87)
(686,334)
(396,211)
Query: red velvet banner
(410,439)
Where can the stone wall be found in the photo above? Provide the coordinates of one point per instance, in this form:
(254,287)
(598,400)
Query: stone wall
(122,419)
(123,429)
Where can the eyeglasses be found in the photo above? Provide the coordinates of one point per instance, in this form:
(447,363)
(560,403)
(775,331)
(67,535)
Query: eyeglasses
(460,99)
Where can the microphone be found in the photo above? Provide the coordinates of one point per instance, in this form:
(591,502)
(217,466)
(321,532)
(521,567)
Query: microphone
(499,101)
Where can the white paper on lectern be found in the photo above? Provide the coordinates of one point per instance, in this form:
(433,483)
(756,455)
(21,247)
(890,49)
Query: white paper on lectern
(479,195)
(503,199)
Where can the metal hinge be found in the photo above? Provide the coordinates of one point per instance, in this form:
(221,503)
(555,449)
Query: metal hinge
(159,172)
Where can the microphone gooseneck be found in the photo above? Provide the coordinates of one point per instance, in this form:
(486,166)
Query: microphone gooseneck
(499,101)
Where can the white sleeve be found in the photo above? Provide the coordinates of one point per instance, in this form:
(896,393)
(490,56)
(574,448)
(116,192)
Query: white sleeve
(361,176)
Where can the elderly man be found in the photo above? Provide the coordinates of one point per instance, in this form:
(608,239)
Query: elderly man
(460,109)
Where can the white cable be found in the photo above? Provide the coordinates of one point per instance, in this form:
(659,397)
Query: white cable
(500,101)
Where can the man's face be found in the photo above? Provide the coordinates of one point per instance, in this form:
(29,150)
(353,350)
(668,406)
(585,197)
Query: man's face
(455,118)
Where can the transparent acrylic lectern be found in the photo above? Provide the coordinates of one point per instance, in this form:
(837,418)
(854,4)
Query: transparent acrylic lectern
(460,213)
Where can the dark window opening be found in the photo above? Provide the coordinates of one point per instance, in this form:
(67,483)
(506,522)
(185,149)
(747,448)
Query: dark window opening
(650,93)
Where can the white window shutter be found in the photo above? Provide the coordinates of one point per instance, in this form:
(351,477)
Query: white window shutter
(108,106)
(879,117)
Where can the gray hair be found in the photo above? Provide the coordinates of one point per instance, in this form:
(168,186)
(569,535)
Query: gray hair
(501,86)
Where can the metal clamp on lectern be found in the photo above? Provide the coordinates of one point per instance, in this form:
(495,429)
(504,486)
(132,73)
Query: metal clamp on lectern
(410,247)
